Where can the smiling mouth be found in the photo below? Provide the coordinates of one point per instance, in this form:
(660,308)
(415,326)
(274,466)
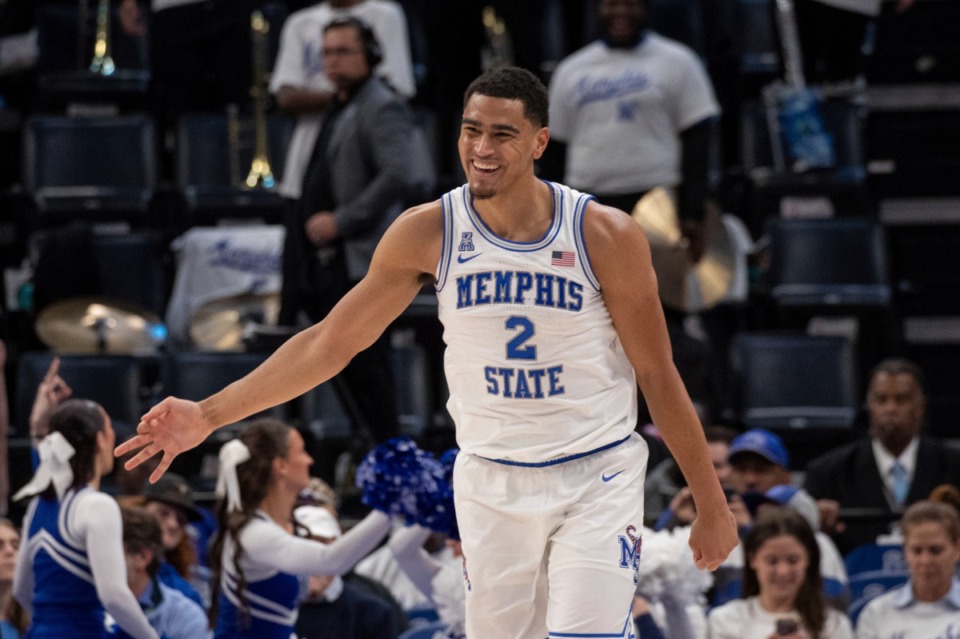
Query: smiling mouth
(484,168)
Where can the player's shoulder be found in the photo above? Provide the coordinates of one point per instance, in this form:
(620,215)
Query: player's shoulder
(600,218)
(423,216)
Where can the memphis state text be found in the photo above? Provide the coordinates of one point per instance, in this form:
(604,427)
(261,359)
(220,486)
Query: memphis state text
(520,288)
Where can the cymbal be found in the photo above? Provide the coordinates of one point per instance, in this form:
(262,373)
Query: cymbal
(99,325)
(682,284)
(222,324)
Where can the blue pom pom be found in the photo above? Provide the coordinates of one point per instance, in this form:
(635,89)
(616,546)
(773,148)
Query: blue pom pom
(399,478)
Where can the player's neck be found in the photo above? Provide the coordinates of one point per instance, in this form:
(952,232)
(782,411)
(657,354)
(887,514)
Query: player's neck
(522,214)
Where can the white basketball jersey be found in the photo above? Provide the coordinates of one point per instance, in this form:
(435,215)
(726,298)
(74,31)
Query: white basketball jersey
(535,368)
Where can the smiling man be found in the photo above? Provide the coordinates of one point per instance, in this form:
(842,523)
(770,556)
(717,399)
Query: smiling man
(549,481)
(895,467)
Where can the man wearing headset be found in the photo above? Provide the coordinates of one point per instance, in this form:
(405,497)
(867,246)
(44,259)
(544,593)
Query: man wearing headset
(354,187)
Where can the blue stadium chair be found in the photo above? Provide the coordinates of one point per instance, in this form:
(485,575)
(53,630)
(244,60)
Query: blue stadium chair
(116,382)
(96,168)
(729,591)
(787,381)
(828,263)
(194,375)
(875,582)
(867,586)
(424,631)
(875,558)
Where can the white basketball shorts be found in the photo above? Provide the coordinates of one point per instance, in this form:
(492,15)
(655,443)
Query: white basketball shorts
(551,551)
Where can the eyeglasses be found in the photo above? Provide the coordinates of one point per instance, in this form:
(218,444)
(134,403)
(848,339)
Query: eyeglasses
(339,52)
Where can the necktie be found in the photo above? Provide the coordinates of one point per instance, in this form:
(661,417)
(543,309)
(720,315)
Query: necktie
(901,483)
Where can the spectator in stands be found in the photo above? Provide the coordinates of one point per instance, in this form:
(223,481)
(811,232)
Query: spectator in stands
(302,88)
(630,112)
(320,494)
(354,188)
(946,494)
(334,606)
(928,605)
(782,590)
(438,576)
(169,611)
(832,37)
(13,621)
(760,476)
(170,501)
(68,595)
(51,392)
(758,461)
(893,468)
(382,567)
(257,559)
(665,481)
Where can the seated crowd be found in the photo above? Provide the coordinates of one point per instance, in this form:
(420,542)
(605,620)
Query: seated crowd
(272,557)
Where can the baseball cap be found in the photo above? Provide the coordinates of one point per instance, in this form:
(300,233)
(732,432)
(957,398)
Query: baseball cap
(173,490)
(760,442)
(319,521)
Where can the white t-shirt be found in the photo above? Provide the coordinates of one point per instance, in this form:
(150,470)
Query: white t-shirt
(300,65)
(621,111)
(746,619)
(897,615)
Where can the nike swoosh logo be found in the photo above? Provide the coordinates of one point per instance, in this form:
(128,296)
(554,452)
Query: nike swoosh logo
(607,478)
(464,260)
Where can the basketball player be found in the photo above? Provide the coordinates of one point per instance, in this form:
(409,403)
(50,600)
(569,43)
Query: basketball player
(551,318)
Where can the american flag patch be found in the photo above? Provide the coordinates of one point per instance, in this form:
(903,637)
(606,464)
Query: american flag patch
(563,258)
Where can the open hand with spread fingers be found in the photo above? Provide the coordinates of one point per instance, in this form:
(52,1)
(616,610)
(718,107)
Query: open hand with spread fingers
(171,427)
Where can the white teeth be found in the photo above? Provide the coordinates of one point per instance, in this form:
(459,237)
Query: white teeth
(485,167)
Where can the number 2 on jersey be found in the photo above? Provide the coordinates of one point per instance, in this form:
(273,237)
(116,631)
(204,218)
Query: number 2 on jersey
(516,347)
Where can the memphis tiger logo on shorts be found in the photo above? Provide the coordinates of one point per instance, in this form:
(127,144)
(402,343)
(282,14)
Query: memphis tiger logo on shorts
(629,544)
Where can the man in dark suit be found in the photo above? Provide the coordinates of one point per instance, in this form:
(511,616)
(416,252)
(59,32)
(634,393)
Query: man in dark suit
(890,470)
(354,187)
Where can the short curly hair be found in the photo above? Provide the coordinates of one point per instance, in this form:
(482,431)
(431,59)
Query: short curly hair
(513,83)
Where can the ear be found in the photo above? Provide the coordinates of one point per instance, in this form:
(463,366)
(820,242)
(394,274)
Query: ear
(279,466)
(540,142)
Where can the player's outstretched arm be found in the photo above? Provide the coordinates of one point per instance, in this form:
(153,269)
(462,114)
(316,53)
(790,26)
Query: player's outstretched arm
(620,256)
(404,261)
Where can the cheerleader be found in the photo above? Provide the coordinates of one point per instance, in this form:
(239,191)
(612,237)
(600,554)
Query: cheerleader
(260,564)
(71,567)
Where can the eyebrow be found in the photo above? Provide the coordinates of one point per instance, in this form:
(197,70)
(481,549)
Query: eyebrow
(495,127)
